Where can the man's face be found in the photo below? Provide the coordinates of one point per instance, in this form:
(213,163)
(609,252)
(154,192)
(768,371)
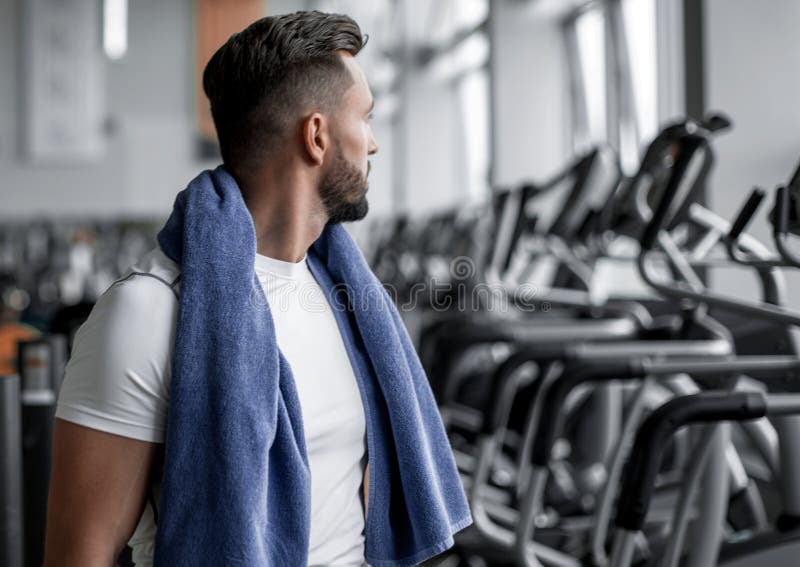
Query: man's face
(343,190)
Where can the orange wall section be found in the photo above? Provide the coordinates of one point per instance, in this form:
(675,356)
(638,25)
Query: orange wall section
(215,22)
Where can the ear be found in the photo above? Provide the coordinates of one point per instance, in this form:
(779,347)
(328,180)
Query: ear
(316,137)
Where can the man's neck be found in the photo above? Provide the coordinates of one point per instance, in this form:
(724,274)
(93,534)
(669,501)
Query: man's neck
(286,211)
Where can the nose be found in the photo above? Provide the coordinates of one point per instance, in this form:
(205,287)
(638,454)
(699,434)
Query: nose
(373,146)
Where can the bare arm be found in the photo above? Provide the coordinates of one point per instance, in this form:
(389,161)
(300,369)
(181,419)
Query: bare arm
(98,490)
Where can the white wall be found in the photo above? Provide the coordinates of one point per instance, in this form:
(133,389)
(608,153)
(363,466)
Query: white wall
(430,146)
(531,96)
(150,151)
(752,65)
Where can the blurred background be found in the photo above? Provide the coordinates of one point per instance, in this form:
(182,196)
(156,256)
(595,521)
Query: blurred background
(103,121)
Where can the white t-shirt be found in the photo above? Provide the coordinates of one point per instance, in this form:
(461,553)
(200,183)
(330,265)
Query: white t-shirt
(117,380)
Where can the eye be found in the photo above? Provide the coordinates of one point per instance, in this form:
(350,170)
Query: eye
(370,116)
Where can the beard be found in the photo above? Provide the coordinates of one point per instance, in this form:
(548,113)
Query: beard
(344,192)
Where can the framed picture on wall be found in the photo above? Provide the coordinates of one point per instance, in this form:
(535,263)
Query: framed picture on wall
(62,77)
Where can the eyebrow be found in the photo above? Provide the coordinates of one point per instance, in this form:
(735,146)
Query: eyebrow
(372,105)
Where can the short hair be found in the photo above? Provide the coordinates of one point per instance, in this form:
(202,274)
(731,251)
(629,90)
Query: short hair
(265,75)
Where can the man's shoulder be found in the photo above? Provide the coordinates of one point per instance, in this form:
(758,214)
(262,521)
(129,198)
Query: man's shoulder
(143,303)
(153,273)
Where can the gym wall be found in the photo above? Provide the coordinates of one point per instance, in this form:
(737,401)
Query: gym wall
(756,82)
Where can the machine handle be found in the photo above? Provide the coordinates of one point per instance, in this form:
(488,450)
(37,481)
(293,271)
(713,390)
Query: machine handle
(716,122)
(504,387)
(651,440)
(795,181)
(781,211)
(688,146)
(551,417)
(746,213)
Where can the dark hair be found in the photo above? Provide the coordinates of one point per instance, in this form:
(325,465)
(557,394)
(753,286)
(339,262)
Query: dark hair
(263,76)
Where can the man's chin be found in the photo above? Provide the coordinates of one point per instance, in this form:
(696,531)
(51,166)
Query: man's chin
(350,212)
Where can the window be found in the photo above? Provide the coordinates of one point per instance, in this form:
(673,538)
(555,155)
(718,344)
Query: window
(590,67)
(473,99)
(612,54)
(640,28)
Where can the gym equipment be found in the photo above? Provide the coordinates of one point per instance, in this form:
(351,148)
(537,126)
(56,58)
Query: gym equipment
(11,516)
(658,426)
(41,368)
(545,402)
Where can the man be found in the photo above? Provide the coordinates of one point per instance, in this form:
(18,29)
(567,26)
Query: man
(178,427)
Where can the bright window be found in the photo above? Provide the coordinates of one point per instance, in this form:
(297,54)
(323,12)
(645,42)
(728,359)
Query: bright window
(473,96)
(590,35)
(640,28)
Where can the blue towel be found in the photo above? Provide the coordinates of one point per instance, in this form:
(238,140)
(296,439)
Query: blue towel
(236,484)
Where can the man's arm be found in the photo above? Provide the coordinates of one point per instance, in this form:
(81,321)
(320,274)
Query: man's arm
(98,490)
